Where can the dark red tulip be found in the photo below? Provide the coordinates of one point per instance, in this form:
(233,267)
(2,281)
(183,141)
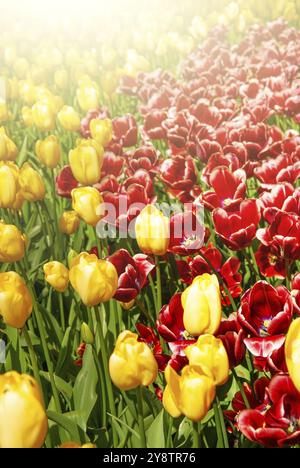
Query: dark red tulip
(125,130)
(65,182)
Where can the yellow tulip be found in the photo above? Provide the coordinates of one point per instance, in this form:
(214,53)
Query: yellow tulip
(8,150)
(31,184)
(57,275)
(23,420)
(202,305)
(190,394)
(69,119)
(43,115)
(210,357)
(152,231)
(75,445)
(86,161)
(12,243)
(101,131)
(132,363)
(292,352)
(27,116)
(4,112)
(61,79)
(48,151)
(8,184)
(87,97)
(69,222)
(15,300)
(88,204)
(95,280)
(27,92)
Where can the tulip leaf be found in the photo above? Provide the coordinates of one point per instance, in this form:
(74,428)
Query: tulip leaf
(84,392)
(23,152)
(64,421)
(62,386)
(156,434)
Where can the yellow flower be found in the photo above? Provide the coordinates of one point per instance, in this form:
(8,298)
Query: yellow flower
(12,244)
(8,150)
(43,115)
(75,445)
(292,352)
(202,305)
(132,363)
(86,161)
(210,357)
(69,119)
(57,275)
(27,116)
(190,393)
(152,231)
(48,151)
(69,222)
(88,204)
(8,184)
(15,300)
(101,131)
(4,113)
(23,420)
(61,79)
(87,96)
(31,184)
(94,280)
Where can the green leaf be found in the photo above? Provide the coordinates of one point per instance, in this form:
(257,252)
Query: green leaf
(156,434)
(62,386)
(64,421)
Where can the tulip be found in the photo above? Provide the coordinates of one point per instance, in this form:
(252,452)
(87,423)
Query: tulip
(8,150)
(57,275)
(69,119)
(15,300)
(61,79)
(292,352)
(88,204)
(48,151)
(69,222)
(101,131)
(12,244)
(31,183)
(4,112)
(86,162)
(8,184)
(209,356)
(132,363)
(86,334)
(202,305)
(23,420)
(27,116)
(43,115)
(190,394)
(75,445)
(152,231)
(95,280)
(88,97)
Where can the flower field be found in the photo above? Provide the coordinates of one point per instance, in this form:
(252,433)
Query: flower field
(150,225)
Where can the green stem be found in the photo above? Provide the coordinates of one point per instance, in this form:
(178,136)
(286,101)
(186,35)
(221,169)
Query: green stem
(169,443)
(218,425)
(103,351)
(102,384)
(33,357)
(62,312)
(241,388)
(196,443)
(158,286)
(141,417)
(222,424)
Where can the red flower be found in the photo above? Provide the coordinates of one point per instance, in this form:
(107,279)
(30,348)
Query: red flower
(271,261)
(153,125)
(278,424)
(132,273)
(102,113)
(187,233)
(237,229)
(229,189)
(179,174)
(112,164)
(265,311)
(125,130)
(65,182)
(144,158)
(268,353)
(170,320)
(147,335)
(232,337)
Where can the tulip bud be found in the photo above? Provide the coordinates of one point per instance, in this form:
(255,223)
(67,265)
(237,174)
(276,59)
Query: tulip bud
(15,300)
(43,115)
(152,231)
(94,280)
(12,244)
(69,222)
(202,305)
(57,275)
(132,363)
(86,334)
(101,131)
(88,204)
(8,150)
(23,420)
(292,352)
(86,162)
(190,394)
(87,97)
(209,356)
(32,185)
(8,184)
(69,119)
(48,151)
